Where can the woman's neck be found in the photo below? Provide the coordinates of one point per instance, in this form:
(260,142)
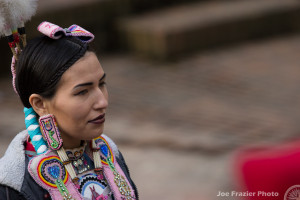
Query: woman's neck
(70,143)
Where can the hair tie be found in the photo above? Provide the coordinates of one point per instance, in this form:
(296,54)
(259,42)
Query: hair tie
(13,72)
(33,128)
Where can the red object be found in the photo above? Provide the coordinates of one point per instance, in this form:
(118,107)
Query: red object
(269,171)
(29,148)
(16,38)
(12,44)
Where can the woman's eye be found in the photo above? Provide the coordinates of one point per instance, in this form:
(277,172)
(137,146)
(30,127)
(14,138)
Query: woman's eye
(102,84)
(83,92)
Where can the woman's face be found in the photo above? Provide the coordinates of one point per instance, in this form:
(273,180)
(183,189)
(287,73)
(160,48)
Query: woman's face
(80,102)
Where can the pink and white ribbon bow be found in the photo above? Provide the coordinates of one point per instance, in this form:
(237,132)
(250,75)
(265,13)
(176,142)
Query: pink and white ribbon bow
(55,32)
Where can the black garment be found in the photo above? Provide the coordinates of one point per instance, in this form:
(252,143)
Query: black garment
(30,190)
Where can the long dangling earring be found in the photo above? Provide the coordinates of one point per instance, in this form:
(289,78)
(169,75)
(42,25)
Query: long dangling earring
(51,133)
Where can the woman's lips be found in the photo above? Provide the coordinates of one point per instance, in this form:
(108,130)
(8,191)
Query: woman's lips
(98,120)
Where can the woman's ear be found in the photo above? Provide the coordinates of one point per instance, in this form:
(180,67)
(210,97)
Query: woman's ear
(38,104)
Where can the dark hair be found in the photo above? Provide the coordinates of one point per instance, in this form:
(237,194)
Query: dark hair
(42,64)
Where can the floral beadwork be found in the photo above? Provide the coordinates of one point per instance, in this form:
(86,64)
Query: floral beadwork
(119,180)
(78,160)
(49,172)
(106,151)
(49,128)
(54,171)
(50,169)
(53,174)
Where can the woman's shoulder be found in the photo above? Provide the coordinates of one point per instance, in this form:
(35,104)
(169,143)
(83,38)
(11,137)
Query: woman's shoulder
(112,145)
(121,161)
(9,193)
(12,164)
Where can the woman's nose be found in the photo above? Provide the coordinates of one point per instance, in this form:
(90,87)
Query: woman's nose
(101,99)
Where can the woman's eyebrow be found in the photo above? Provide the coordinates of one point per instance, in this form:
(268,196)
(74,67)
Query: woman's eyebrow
(83,84)
(88,83)
(104,75)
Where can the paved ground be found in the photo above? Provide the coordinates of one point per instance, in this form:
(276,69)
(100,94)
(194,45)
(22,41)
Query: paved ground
(179,124)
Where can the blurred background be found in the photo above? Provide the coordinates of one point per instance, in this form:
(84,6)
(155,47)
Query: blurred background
(191,84)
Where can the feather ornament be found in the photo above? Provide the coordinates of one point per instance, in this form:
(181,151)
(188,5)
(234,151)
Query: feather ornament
(14,14)
(2,19)
(20,11)
(29,9)
(5,18)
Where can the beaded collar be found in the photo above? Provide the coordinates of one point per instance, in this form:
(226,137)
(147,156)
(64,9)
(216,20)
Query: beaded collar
(76,157)
(76,153)
(62,179)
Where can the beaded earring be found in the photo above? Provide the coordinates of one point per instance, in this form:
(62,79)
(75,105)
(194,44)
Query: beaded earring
(51,133)
(49,129)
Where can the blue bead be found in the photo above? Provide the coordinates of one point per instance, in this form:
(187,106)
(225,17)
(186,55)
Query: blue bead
(104,150)
(54,171)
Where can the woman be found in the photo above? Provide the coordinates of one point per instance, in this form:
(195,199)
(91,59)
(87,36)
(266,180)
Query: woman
(61,83)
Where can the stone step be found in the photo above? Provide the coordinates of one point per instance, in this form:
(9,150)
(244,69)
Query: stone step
(179,30)
(96,16)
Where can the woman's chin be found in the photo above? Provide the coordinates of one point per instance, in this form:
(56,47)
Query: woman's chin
(96,133)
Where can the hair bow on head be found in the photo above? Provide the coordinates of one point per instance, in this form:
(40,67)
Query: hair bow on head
(55,32)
